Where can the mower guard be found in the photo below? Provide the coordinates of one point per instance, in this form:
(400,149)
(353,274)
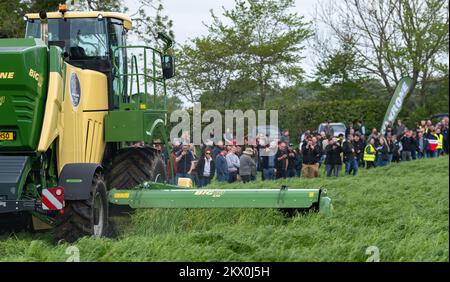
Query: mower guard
(157,195)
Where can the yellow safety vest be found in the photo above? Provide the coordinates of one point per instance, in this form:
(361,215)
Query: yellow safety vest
(369,153)
(440,141)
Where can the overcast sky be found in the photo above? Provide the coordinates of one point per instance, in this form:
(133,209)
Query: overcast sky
(189,17)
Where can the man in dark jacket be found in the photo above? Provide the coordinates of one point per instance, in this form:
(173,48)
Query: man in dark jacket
(390,143)
(281,161)
(311,154)
(351,164)
(396,150)
(421,144)
(292,157)
(358,145)
(185,162)
(333,162)
(408,145)
(206,168)
(383,153)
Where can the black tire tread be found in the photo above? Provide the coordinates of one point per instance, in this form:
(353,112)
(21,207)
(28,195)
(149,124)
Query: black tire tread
(133,166)
(77,220)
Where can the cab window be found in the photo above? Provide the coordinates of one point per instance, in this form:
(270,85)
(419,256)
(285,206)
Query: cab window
(117,38)
(83,38)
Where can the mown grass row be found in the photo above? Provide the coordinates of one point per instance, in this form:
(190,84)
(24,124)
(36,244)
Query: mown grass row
(401,209)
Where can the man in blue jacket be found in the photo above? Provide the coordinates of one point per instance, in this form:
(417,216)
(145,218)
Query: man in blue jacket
(221,166)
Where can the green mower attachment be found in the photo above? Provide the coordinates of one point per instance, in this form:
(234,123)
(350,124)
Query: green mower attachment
(157,195)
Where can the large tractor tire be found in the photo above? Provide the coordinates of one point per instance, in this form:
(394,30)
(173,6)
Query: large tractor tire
(85,218)
(129,168)
(133,166)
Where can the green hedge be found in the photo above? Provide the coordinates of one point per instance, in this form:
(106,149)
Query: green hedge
(308,115)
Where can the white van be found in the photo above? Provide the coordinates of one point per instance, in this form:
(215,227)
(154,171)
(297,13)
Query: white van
(338,128)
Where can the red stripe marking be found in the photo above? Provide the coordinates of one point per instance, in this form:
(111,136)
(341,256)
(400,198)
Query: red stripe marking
(48,203)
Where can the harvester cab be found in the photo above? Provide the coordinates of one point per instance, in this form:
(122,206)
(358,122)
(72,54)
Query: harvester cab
(74,97)
(76,105)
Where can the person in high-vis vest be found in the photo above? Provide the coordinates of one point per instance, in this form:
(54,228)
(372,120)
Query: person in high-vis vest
(370,154)
(432,143)
(440,141)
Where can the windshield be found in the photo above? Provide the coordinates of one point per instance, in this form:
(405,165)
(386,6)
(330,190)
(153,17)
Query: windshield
(336,127)
(82,38)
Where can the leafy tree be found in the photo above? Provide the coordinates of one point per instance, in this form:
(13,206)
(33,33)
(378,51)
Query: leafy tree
(340,66)
(11,13)
(205,67)
(266,38)
(258,40)
(147,26)
(393,38)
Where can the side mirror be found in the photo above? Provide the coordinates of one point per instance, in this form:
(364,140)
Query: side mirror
(168,66)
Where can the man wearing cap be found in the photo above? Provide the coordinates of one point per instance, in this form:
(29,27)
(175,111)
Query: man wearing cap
(247,165)
(221,166)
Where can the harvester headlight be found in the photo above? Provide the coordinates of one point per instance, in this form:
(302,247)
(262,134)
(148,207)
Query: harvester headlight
(62,8)
(25,18)
(100,17)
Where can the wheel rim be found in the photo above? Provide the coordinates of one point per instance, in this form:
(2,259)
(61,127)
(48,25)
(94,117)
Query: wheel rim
(99,215)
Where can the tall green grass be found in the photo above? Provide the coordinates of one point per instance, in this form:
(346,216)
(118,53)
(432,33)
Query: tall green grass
(402,209)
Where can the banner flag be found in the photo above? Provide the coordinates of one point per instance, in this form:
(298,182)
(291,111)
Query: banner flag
(396,103)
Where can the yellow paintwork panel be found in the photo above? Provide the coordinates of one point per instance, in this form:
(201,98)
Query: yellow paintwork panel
(53,109)
(81,127)
(91,14)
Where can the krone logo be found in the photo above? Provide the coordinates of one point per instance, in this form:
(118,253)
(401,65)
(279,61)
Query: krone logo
(6,75)
(74,90)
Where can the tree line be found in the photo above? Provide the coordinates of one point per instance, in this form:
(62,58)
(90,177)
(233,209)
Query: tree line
(253,56)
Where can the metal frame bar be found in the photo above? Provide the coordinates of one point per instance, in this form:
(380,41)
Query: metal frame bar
(169,196)
(130,103)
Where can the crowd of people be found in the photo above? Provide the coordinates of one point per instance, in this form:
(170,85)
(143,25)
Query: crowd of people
(347,152)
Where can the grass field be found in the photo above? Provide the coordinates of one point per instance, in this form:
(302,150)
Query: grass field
(401,209)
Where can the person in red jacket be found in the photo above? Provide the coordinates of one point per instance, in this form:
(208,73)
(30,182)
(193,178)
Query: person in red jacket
(432,142)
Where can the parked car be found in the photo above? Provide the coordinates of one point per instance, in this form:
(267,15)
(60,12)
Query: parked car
(338,128)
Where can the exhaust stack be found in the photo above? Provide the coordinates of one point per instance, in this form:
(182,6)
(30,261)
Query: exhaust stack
(44,26)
